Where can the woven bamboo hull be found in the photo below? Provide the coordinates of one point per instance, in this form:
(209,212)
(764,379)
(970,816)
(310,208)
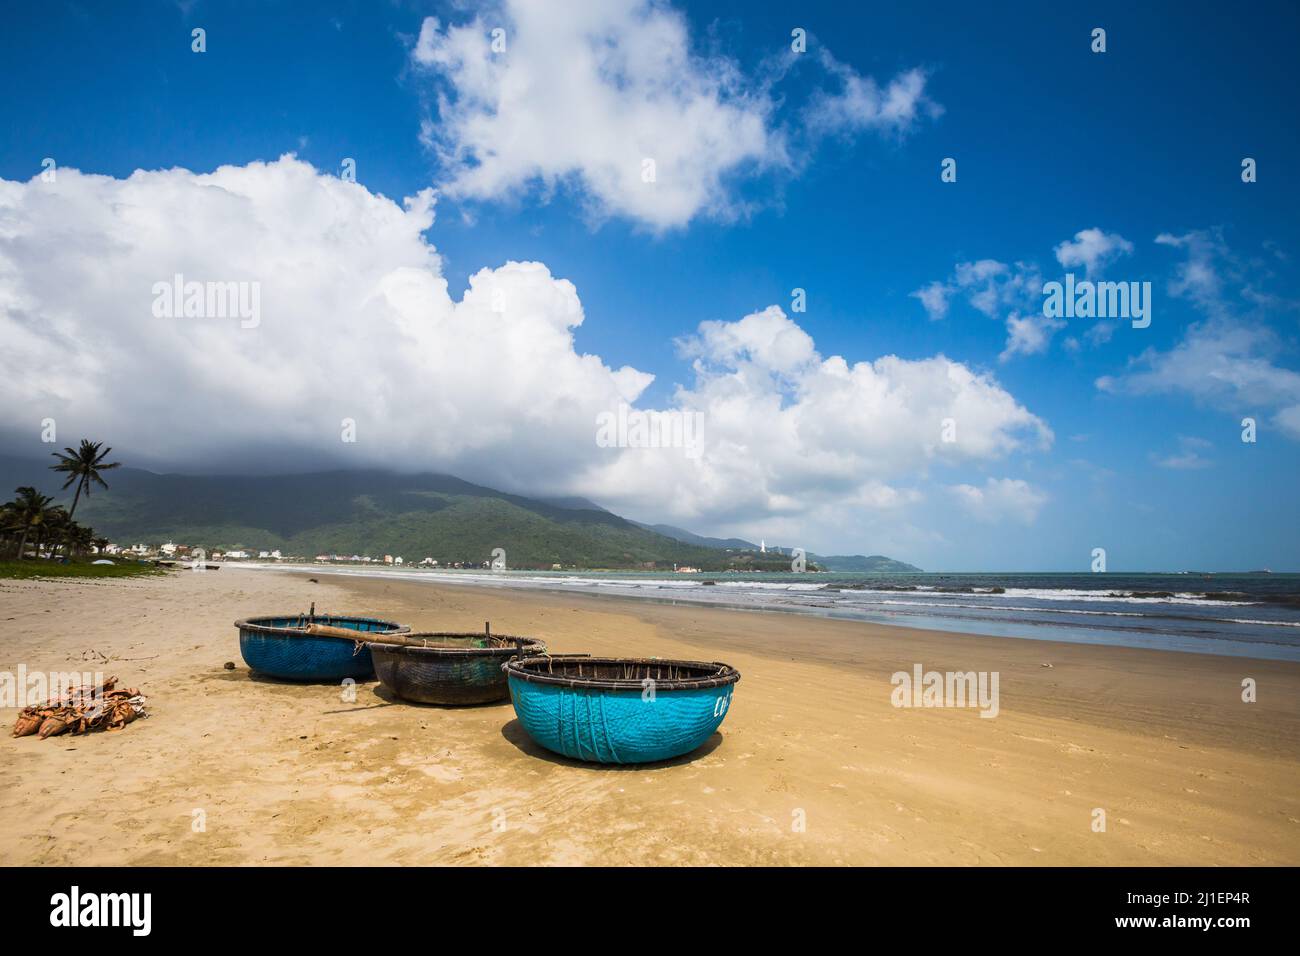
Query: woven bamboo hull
(291,655)
(450,677)
(619,726)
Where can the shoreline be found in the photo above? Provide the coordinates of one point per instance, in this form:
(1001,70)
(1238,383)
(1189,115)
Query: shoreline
(1022,626)
(1186,773)
(880,650)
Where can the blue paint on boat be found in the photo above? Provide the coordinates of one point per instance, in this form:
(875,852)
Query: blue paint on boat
(591,717)
(278,647)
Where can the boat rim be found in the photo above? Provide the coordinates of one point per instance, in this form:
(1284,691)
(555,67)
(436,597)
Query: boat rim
(252,625)
(717,674)
(531,645)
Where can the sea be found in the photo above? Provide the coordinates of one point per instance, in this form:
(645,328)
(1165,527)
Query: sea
(1247,615)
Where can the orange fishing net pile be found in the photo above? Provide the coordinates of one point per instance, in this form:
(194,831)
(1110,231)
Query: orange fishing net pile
(82,710)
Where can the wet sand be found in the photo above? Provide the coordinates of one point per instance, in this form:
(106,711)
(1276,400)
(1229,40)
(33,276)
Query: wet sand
(813,764)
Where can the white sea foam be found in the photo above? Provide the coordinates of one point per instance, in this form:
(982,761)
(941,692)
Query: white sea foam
(1058,613)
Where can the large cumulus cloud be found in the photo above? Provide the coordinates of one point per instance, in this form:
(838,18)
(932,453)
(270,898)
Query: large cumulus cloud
(357,322)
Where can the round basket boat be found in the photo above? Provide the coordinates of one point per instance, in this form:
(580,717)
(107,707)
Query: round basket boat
(453,669)
(279,646)
(620,710)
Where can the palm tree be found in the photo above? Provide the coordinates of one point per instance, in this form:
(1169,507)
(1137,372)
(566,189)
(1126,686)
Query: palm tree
(79,538)
(83,466)
(9,525)
(32,510)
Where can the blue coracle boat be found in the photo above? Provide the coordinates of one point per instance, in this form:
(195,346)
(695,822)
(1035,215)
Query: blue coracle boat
(281,647)
(619,710)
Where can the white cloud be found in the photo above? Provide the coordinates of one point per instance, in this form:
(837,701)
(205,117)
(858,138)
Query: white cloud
(1222,363)
(1288,419)
(992,286)
(997,289)
(1198,278)
(1093,249)
(1188,457)
(1101,331)
(1029,334)
(862,105)
(357,322)
(1014,293)
(587,90)
(1230,359)
(788,430)
(988,285)
(1001,499)
(934,299)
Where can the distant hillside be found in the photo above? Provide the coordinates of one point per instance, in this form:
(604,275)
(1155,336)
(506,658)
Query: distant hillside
(362,512)
(864,563)
(376,513)
(576,503)
(687,537)
(834,562)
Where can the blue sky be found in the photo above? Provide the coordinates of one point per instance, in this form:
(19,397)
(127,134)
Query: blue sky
(1144,140)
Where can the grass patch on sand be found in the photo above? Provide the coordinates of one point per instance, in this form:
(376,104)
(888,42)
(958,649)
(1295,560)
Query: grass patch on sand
(31,569)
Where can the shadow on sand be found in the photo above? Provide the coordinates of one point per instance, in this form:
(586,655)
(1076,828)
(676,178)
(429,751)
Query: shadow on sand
(514,732)
(383,693)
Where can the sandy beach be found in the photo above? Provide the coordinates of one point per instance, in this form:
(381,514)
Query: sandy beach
(813,765)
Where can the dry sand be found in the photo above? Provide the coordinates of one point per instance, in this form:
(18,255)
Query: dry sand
(1186,772)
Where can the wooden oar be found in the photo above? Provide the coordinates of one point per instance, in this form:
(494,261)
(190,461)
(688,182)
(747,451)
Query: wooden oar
(368,637)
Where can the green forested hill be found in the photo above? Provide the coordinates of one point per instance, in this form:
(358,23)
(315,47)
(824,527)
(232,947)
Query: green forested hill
(377,513)
(367,512)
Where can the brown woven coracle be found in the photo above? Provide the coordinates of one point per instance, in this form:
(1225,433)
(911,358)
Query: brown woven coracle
(448,668)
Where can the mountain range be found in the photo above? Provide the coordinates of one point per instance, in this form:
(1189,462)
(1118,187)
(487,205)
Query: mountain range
(828,562)
(379,512)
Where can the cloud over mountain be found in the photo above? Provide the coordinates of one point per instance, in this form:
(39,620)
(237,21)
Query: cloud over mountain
(357,323)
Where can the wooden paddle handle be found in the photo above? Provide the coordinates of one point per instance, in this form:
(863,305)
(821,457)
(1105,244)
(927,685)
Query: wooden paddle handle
(366,637)
(325,630)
